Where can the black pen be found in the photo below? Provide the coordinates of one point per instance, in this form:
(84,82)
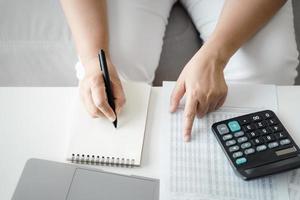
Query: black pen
(110,98)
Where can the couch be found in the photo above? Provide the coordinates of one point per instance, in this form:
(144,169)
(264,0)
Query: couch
(36,46)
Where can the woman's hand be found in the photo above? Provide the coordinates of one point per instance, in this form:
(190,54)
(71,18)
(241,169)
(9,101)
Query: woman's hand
(92,90)
(88,23)
(202,81)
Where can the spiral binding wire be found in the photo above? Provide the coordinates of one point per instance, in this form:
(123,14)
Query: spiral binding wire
(102,160)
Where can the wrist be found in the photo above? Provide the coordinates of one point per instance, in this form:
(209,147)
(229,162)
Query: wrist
(214,56)
(219,49)
(92,66)
(88,55)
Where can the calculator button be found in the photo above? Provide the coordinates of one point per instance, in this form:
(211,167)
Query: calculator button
(272,122)
(261,124)
(261,147)
(240,161)
(237,154)
(246,145)
(249,127)
(244,121)
(256,118)
(234,126)
(269,138)
(234,148)
(222,129)
(238,134)
(242,139)
(273,145)
(253,134)
(265,131)
(286,151)
(249,151)
(280,135)
(276,128)
(285,142)
(267,115)
(230,142)
(257,141)
(227,137)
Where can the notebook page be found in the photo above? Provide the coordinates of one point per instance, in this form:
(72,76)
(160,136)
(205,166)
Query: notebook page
(200,170)
(97,136)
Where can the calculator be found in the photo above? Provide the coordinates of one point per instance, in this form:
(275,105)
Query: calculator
(257,144)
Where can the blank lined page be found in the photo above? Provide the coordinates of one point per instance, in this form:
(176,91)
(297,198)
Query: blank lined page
(98,137)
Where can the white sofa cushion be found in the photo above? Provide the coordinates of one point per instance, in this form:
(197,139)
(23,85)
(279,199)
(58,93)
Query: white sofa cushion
(35,44)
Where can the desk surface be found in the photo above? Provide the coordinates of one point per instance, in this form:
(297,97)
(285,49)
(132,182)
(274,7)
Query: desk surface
(33,123)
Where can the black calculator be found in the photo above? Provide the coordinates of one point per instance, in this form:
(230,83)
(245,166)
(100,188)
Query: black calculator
(257,144)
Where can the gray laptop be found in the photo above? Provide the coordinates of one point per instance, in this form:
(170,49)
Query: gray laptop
(47,180)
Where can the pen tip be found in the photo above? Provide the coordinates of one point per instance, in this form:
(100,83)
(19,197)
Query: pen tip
(115,123)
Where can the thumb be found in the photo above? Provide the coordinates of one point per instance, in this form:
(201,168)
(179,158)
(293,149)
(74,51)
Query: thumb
(176,96)
(119,96)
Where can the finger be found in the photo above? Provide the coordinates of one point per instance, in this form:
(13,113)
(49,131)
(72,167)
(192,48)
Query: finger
(220,103)
(202,110)
(100,101)
(189,115)
(119,96)
(213,105)
(89,104)
(176,95)
(199,110)
(202,107)
(119,105)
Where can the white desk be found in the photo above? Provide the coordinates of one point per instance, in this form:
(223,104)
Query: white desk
(33,123)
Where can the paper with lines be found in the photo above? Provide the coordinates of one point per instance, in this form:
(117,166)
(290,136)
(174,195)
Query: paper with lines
(294,185)
(200,170)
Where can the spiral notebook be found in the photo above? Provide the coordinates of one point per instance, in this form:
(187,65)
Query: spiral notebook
(96,141)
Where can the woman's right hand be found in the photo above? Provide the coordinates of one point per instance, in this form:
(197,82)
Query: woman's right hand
(92,90)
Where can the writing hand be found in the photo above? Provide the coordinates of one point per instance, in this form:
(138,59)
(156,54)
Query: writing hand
(92,90)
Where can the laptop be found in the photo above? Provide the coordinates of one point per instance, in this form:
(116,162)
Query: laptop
(48,180)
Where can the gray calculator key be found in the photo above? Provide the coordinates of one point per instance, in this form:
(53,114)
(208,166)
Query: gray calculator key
(285,142)
(223,129)
(239,134)
(272,145)
(234,148)
(227,137)
(261,147)
(249,151)
(242,139)
(246,145)
(237,154)
(230,142)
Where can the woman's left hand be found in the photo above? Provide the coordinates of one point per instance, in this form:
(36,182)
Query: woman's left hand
(202,81)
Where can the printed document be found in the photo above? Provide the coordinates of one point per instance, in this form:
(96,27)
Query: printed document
(294,185)
(199,169)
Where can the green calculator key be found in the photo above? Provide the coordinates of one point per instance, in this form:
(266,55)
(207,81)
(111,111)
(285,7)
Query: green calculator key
(234,126)
(240,161)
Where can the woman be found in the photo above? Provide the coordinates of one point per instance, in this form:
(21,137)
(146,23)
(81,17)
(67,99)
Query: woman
(242,44)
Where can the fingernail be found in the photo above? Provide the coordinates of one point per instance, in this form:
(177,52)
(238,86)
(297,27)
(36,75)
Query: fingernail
(118,111)
(172,108)
(112,119)
(187,138)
